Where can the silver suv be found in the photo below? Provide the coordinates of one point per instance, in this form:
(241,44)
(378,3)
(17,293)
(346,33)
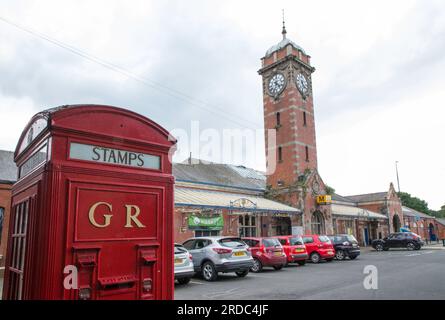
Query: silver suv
(219,254)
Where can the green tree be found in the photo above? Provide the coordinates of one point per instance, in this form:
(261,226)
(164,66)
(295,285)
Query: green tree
(439,213)
(414,202)
(329,190)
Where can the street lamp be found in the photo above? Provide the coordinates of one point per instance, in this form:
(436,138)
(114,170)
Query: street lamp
(397,174)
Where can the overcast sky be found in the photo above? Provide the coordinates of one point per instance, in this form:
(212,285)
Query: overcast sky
(378,87)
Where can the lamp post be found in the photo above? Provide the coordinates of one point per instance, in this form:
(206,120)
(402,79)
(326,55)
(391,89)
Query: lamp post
(397,174)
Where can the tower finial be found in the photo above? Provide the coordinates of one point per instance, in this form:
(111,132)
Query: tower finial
(284,27)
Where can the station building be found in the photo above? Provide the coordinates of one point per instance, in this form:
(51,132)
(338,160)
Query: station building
(224,199)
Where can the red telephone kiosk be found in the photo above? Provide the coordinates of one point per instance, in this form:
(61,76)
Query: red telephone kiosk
(92,210)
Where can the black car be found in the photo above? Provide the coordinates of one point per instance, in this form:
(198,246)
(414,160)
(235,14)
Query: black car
(345,245)
(408,240)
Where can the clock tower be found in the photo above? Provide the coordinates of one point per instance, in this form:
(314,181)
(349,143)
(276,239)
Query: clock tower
(288,108)
(292,175)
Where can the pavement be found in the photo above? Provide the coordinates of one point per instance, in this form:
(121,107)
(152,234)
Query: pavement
(401,274)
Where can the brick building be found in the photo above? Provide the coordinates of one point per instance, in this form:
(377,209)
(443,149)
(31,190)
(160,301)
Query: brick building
(428,227)
(8,174)
(223,199)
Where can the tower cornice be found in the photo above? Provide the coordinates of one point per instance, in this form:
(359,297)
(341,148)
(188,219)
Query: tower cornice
(285,59)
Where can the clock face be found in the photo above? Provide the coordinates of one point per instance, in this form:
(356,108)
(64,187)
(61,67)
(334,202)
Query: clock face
(302,83)
(276,84)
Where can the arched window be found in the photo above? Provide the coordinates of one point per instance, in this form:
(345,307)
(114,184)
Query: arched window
(317,223)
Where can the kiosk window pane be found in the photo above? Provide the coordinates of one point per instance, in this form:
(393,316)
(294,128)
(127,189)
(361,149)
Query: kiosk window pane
(18,249)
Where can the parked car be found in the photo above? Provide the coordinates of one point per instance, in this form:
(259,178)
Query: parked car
(212,255)
(184,269)
(408,240)
(345,246)
(294,249)
(319,247)
(266,252)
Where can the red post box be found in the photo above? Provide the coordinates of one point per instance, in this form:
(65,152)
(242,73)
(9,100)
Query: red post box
(92,210)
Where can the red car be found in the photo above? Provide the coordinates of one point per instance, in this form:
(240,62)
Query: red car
(319,247)
(266,252)
(294,249)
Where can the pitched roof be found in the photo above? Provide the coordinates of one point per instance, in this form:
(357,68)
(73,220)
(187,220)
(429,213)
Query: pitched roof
(414,213)
(8,169)
(215,199)
(337,197)
(368,197)
(220,174)
(441,221)
(352,211)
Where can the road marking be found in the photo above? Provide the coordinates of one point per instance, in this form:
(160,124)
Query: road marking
(413,255)
(197,282)
(217,294)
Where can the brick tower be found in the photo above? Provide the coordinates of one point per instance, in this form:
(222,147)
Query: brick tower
(292,175)
(288,108)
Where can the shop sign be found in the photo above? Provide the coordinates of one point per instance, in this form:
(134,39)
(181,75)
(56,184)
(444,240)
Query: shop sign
(324,199)
(120,157)
(198,222)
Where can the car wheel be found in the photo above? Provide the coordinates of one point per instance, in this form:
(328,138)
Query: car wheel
(257,266)
(183,280)
(301,263)
(379,247)
(315,257)
(410,246)
(209,272)
(278,267)
(352,257)
(418,248)
(242,274)
(340,255)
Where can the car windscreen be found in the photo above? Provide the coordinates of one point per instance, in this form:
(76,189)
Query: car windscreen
(296,241)
(180,249)
(308,240)
(232,242)
(271,242)
(351,238)
(324,239)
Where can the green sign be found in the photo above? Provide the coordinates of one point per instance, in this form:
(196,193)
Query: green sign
(214,223)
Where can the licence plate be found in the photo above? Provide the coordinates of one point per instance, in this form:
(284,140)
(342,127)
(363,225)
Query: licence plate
(299,250)
(178,261)
(239,254)
(278,254)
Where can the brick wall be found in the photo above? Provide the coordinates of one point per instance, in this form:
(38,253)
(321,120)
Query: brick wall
(5,202)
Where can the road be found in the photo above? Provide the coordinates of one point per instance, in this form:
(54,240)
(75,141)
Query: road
(401,275)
